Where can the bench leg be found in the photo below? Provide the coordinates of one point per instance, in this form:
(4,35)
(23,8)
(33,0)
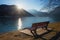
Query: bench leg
(34,33)
(46,27)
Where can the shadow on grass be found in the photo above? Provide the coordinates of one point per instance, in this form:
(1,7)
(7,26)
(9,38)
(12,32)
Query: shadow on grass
(41,36)
(36,37)
(56,37)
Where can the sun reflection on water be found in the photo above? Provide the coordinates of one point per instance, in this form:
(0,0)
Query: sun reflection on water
(19,23)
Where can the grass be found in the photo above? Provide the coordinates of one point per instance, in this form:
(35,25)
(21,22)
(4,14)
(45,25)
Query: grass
(17,35)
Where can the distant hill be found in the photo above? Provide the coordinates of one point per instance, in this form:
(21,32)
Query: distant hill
(11,10)
(24,13)
(55,14)
(38,13)
(7,10)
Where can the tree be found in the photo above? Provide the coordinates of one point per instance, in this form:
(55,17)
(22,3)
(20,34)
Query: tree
(51,5)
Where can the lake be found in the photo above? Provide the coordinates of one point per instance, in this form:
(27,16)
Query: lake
(11,24)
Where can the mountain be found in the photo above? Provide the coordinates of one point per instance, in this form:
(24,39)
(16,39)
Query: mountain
(24,13)
(8,10)
(38,13)
(11,10)
(55,14)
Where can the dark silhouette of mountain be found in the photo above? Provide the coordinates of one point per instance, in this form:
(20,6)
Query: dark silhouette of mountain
(38,13)
(24,13)
(55,14)
(7,10)
(11,10)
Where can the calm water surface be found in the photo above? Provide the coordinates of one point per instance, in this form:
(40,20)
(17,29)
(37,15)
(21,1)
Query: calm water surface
(12,24)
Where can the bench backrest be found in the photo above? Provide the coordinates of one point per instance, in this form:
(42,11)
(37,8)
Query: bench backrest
(41,24)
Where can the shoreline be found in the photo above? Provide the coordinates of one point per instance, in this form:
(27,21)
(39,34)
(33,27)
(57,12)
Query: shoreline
(17,35)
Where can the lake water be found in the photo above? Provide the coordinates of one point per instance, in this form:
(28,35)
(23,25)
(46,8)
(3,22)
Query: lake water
(11,24)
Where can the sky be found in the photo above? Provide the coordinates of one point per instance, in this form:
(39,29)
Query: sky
(32,4)
(27,4)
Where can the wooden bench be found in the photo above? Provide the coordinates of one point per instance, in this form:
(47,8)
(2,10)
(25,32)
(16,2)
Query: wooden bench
(35,26)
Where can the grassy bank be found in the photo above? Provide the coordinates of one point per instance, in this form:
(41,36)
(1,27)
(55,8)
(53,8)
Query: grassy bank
(17,35)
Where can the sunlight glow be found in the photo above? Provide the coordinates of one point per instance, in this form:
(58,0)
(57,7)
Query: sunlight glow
(19,23)
(19,6)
